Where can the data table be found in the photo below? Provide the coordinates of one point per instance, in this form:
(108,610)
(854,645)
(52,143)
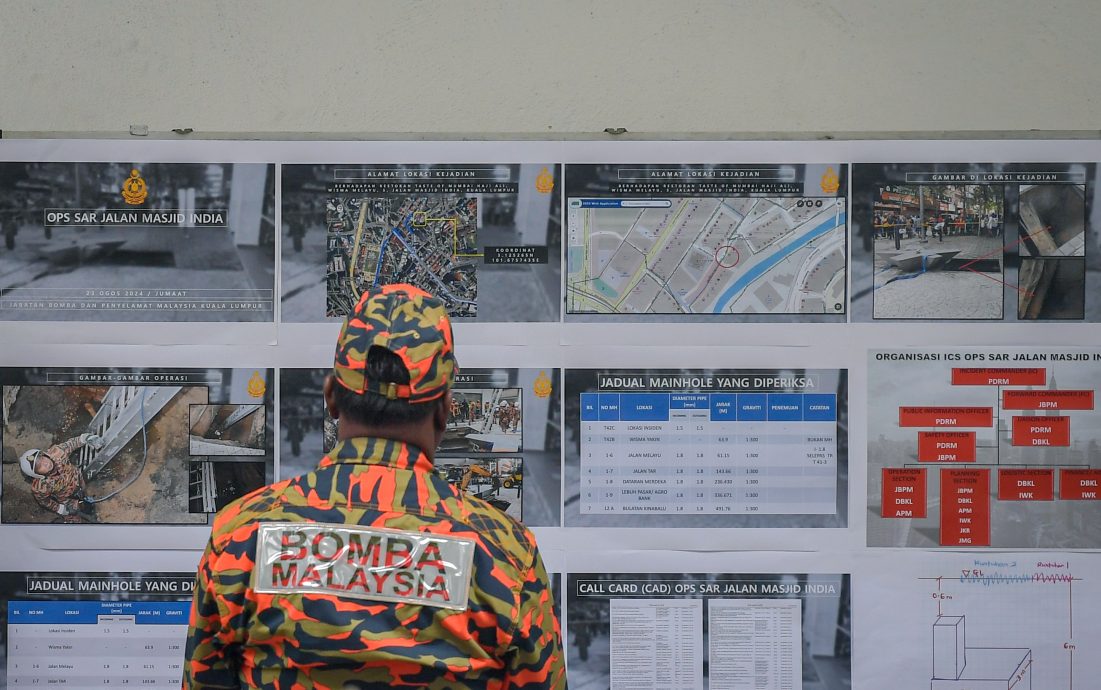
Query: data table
(96,644)
(709,453)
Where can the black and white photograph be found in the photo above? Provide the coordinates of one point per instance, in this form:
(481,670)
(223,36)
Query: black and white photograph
(974,242)
(306,432)
(484,238)
(119,446)
(137,241)
(708,630)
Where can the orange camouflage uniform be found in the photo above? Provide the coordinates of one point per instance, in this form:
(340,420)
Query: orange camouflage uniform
(64,486)
(508,638)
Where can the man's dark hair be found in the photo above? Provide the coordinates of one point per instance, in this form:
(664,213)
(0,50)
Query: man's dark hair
(372,409)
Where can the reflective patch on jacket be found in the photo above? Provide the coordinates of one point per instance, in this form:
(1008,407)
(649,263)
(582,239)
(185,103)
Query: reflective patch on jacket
(373,563)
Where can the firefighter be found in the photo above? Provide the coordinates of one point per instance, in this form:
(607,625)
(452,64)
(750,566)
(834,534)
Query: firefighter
(57,484)
(373,571)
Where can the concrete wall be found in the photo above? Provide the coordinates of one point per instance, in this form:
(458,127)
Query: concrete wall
(548,67)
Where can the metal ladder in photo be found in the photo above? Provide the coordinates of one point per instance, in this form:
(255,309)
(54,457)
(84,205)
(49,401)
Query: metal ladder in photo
(203,488)
(123,412)
(488,420)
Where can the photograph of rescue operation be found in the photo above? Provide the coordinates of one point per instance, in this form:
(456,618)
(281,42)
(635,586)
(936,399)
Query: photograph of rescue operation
(1011,242)
(500,482)
(484,420)
(137,242)
(125,454)
(338,242)
(501,441)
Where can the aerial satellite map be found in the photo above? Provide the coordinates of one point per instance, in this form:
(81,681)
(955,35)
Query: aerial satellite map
(426,240)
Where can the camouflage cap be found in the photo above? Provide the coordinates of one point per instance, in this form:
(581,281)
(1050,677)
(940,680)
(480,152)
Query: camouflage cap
(408,322)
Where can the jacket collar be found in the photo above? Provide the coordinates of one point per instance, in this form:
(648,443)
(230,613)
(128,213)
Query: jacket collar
(384,452)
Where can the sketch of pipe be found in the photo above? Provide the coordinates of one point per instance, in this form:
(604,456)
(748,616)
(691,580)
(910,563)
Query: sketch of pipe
(959,667)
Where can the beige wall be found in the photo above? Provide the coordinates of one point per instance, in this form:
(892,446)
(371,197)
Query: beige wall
(549,67)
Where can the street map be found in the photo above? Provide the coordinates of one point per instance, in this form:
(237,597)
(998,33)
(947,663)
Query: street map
(707,255)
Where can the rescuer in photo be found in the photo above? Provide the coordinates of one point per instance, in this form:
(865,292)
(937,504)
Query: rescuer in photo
(56,483)
(373,570)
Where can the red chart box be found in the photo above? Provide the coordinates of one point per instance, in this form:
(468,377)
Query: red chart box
(1047,400)
(1080,485)
(965,507)
(1017,484)
(946,446)
(999,376)
(904,492)
(946,416)
(1041,431)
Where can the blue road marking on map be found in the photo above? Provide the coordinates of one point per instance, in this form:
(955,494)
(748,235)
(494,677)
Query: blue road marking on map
(382,251)
(378,264)
(770,263)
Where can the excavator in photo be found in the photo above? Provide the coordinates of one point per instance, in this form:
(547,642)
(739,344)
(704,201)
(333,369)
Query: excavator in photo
(488,495)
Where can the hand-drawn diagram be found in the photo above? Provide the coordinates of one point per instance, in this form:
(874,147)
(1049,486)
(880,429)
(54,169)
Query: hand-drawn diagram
(975,661)
(955,621)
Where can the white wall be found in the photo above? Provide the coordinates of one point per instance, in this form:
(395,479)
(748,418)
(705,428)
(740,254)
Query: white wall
(548,67)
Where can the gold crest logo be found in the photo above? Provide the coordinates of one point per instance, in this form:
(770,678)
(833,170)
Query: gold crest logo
(830,182)
(543,386)
(256,385)
(134,190)
(544,182)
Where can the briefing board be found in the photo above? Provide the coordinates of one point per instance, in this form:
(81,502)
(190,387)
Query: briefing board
(748,395)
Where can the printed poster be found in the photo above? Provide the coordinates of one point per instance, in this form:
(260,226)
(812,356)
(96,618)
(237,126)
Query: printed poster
(500,445)
(93,629)
(137,241)
(984,447)
(709,631)
(484,238)
(973,242)
(706,448)
(172,446)
(681,241)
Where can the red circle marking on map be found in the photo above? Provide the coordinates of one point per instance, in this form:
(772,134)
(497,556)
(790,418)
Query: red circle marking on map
(721,254)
